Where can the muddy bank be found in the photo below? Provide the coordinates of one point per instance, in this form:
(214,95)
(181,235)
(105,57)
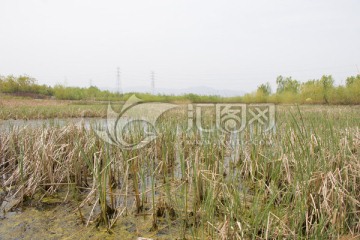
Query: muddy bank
(63,221)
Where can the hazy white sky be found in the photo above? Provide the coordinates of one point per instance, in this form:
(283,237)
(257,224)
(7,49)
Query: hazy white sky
(228,44)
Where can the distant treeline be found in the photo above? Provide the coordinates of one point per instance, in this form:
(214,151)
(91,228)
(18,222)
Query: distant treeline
(27,86)
(289,90)
(317,91)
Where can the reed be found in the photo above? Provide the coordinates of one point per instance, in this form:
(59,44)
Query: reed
(302,182)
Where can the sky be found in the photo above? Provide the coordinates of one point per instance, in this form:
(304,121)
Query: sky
(228,44)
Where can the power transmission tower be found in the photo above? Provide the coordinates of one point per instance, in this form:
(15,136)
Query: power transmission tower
(118,81)
(152,82)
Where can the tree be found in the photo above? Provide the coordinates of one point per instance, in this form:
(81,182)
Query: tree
(287,84)
(353,89)
(327,83)
(351,80)
(264,89)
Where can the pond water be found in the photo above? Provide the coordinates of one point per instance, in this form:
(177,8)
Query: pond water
(53,122)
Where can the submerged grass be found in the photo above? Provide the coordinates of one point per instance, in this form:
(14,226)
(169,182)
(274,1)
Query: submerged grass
(302,182)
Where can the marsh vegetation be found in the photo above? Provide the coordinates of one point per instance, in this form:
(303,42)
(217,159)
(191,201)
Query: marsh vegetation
(301,182)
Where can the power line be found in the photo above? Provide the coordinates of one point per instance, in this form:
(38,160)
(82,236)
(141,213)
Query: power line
(118,81)
(152,82)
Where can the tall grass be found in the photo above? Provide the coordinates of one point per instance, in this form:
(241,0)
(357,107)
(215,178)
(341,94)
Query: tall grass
(302,182)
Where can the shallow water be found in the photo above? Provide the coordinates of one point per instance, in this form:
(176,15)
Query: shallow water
(54,217)
(53,122)
(62,221)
